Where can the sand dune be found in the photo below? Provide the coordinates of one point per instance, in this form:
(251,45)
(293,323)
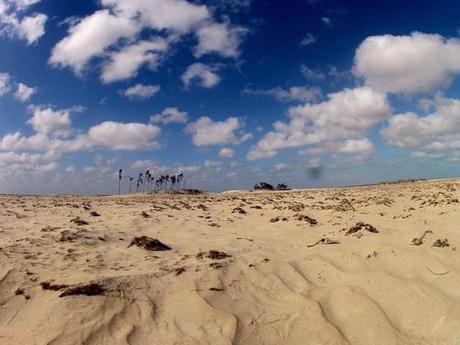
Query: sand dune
(367,265)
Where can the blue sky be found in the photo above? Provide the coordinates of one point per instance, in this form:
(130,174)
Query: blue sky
(227,92)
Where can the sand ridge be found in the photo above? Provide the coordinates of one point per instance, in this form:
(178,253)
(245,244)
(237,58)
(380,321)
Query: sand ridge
(368,265)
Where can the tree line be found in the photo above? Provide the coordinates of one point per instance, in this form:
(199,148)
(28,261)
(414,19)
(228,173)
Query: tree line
(146,182)
(268,186)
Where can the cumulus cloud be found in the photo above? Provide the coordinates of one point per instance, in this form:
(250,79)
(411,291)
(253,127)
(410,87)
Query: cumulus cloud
(15,23)
(140,91)
(113,34)
(170,115)
(226,152)
(20,163)
(4,83)
(125,63)
(219,38)
(176,15)
(55,136)
(90,37)
(24,92)
(107,135)
(203,74)
(47,121)
(124,136)
(346,115)
(207,132)
(291,94)
(437,131)
(407,64)
(357,146)
(31,28)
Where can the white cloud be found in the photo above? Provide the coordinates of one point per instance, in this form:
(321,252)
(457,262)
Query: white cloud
(54,135)
(311,74)
(125,63)
(169,115)
(21,163)
(293,93)
(211,164)
(14,23)
(219,38)
(51,122)
(338,75)
(176,15)
(140,91)
(435,132)
(4,83)
(407,64)
(346,115)
(24,92)
(226,152)
(114,34)
(17,142)
(15,158)
(281,167)
(31,28)
(70,169)
(205,75)
(89,169)
(90,37)
(124,136)
(206,132)
(357,146)
(307,40)
(327,21)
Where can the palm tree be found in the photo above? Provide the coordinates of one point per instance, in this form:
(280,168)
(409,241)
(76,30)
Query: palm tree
(173,181)
(130,183)
(162,180)
(152,182)
(157,184)
(119,180)
(180,178)
(167,181)
(147,179)
(139,182)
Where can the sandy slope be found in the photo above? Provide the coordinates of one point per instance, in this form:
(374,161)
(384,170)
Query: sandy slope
(277,287)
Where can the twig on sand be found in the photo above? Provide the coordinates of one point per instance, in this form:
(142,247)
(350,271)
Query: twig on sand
(417,241)
(324,240)
(438,274)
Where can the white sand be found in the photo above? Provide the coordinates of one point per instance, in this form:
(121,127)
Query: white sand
(370,288)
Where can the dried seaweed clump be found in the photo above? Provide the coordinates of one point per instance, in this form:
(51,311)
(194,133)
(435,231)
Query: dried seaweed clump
(148,243)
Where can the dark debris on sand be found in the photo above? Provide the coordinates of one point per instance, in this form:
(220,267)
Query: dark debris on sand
(278,218)
(324,240)
(239,210)
(72,236)
(441,243)
(305,218)
(213,254)
(145,214)
(361,226)
(148,243)
(53,287)
(79,221)
(49,228)
(180,270)
(91,289)
(417,241)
